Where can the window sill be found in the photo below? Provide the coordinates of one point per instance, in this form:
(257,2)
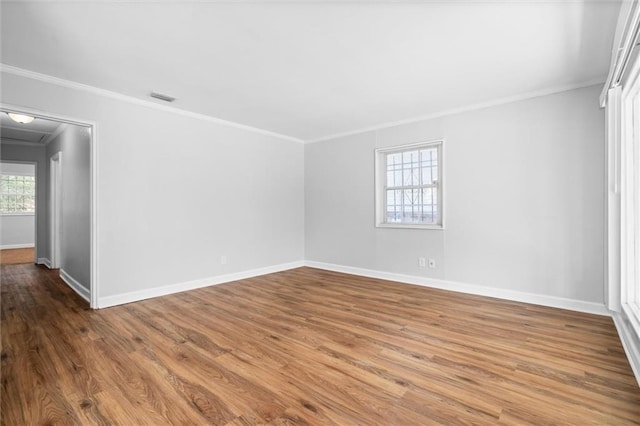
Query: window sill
(17,214)
(410,226)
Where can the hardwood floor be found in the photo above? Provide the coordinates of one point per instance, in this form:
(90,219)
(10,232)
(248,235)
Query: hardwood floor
(306,347)
(17,256)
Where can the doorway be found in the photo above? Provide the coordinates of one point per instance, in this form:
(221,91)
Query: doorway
(68,194)
(17,212)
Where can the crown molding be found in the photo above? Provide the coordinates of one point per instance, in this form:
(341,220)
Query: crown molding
(313,2)
(20,72)
(10,69)
(468,108)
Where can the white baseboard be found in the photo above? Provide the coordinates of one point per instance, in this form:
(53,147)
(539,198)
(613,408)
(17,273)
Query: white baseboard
(75,285)
(135,296)
(16,246)
(44,261)
(517,296)
(536,299)
(630,343)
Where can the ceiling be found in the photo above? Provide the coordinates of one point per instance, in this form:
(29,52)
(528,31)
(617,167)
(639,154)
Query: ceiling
(310,69)
(36,132)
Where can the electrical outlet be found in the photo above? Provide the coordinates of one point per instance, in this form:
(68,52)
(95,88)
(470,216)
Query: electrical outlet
(223,260)
(432,263)
(422,262)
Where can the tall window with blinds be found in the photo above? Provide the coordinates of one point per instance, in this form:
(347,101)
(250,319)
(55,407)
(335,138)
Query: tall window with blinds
(17,194)
(409,186)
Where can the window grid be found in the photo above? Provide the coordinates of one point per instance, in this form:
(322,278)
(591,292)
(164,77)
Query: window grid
(409,187)
(411,190)
(17,194)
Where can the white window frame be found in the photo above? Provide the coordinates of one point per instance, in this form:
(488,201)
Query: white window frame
(19,213)
(381,185)
(630,198)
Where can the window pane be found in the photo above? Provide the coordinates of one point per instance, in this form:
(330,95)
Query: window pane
(19,186)
(391,198)
(17,194)
(407,176)
(393,159)
(394,206)
(398,177)
(11,184)
(412,184)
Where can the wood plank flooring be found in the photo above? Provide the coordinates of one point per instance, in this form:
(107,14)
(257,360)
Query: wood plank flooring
(17,256)
(305,347)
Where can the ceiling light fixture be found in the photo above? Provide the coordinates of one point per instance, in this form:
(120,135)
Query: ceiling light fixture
(20,118)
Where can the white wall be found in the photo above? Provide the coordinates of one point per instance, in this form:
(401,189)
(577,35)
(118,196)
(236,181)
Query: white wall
(524,202)
(75,239)
(176,193)
(17,230)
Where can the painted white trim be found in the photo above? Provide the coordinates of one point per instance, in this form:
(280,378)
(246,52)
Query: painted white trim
(17,246)
(9,69)
(20,72)
(44,261)
(93,260)
(517,296)
(330,1)
(499,293)
(75,285)
(468,108)
(613,198)
(55,209)
(5,107)
(624,43)
(135,296)
(629,187)
(629,344)
(18,214)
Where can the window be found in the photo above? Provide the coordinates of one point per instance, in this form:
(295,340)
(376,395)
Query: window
(630,197)
(409,186)
(17,194)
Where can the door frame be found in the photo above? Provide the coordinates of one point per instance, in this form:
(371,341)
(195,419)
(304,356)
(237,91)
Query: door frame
(55,212)
(93,187)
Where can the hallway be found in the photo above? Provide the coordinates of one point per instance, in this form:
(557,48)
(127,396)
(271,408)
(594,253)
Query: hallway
(17,256)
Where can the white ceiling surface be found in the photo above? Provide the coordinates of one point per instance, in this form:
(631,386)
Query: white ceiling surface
(36,132)
(313,69)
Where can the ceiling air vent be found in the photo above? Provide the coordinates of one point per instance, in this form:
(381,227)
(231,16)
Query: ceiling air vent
(162,97)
